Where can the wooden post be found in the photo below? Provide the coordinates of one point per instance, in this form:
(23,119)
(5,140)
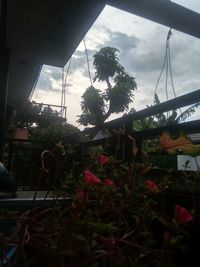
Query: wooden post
(4,64)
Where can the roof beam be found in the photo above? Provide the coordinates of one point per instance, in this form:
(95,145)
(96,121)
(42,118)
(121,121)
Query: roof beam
(163,12)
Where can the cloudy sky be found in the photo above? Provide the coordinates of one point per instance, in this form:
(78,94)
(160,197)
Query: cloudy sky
(142,47)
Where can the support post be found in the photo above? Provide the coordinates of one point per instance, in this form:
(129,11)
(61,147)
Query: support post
(4,64)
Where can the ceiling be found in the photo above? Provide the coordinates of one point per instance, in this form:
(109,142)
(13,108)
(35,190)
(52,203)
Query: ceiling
(43,32)
(48,32)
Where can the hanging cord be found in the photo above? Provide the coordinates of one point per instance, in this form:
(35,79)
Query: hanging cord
(35,83)
(166,78)
(62,91)
(167,72)
(165,62)
(88,63)
(168,66)
(62,100)
(170,70)
(63,94)
(64,82)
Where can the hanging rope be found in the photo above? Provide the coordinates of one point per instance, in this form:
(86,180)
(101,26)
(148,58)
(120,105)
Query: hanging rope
(64,78)
(170,70)
(64,83)
(62,91)
(166,79)
(167,65)
(88,63)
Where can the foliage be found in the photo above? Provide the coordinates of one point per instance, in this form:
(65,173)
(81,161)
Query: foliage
(106,64)
(187,113)
(92,107)
(156,121)
(25,160)
(121,94)
(105,214)
(97,106)
(54,133)
(37,113)
(160,120)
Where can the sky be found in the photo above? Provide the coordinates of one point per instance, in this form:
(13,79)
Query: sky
(142,46)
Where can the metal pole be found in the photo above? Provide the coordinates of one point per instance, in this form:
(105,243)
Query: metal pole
(4,63)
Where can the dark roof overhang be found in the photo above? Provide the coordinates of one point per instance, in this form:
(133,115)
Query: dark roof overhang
(48,32)
(43,32)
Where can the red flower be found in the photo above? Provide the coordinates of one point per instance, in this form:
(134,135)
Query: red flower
(82,194)
(103,159)
(152,186)
(181,215)
(90,178)
(108,182)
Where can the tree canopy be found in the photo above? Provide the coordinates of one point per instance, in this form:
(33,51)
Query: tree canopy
(98,105)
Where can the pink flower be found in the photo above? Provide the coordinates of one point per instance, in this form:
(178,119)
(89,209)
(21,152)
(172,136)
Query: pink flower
(82,194)
(181,215)
(103,159)
(90,178)
(108,182)
(152,186)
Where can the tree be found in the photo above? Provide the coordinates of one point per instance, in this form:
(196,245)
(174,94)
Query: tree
(96,105)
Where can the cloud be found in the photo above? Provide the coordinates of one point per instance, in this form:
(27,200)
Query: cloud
(51,71)
(142,47)
(144,60)
(79,60)
(121,40)
(141,57)
(51,80)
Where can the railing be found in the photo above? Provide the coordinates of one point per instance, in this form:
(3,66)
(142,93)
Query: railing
(62,109)
(125,123)
(169,105)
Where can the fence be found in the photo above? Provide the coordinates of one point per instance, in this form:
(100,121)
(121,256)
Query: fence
(23,153)
(127,121)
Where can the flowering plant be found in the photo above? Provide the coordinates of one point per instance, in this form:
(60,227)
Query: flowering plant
(105,215)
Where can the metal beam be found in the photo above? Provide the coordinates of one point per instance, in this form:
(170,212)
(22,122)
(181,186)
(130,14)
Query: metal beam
(163,12)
